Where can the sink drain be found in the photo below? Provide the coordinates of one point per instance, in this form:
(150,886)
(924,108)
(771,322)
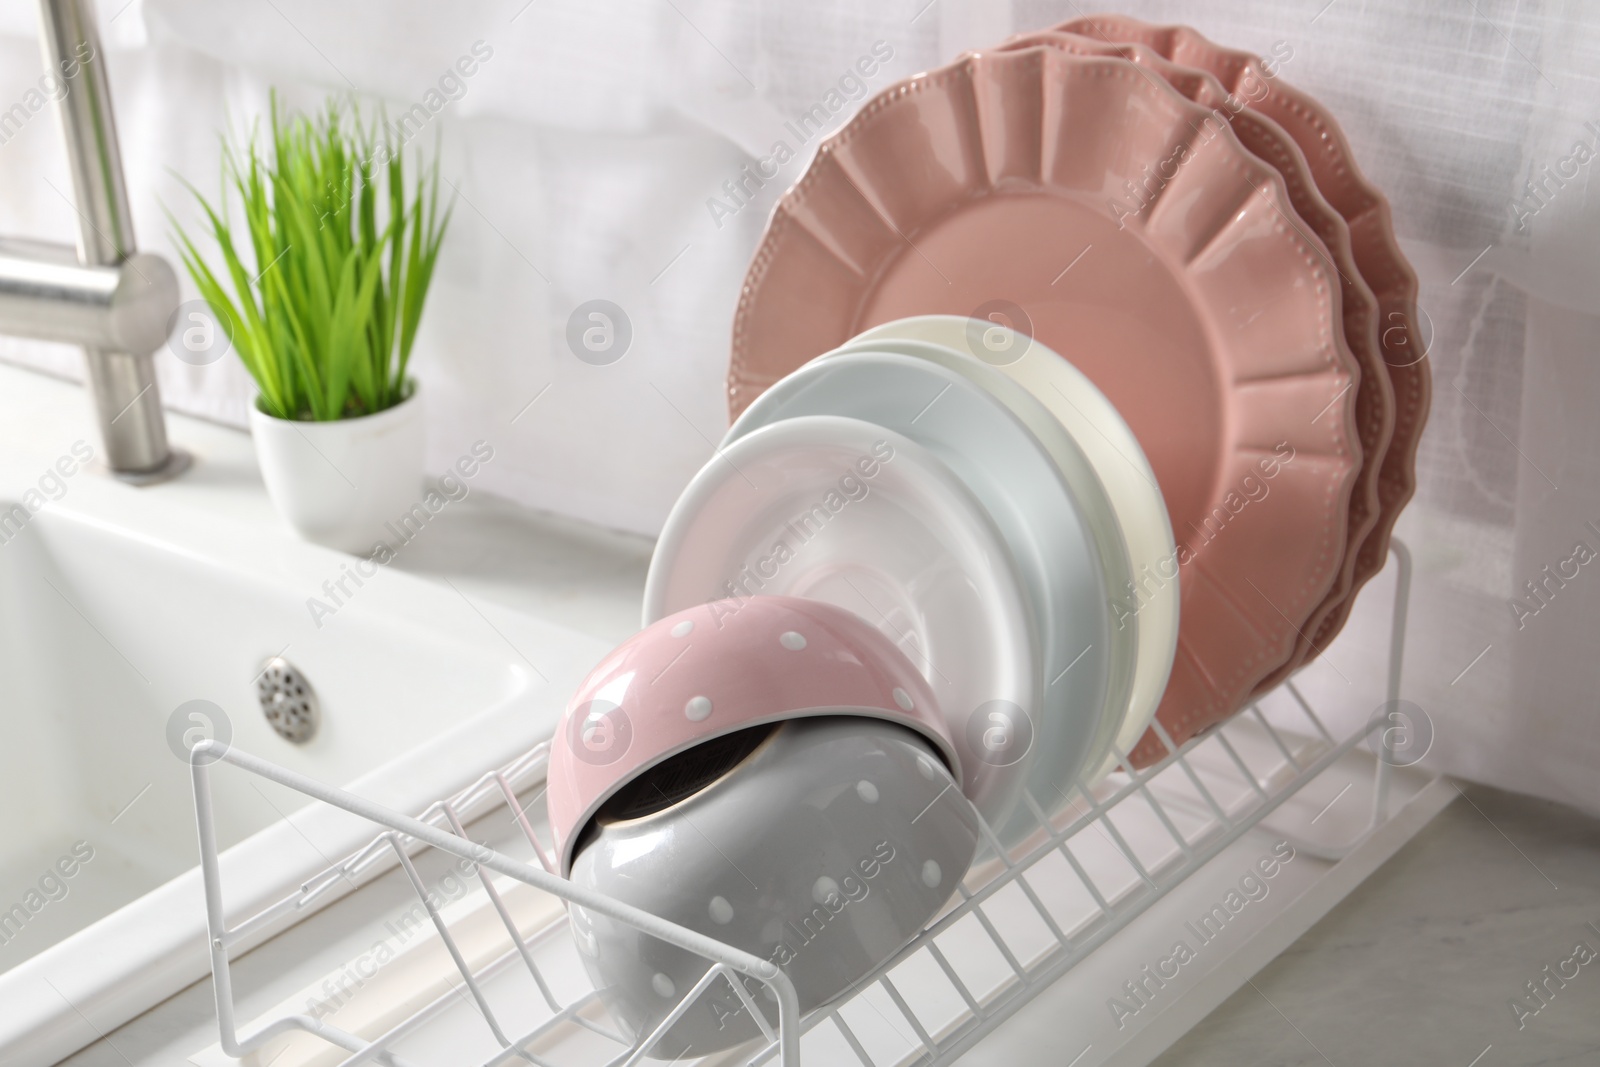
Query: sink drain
(288,701)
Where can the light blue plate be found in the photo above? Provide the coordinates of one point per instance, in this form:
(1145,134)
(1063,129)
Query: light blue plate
(1018,482)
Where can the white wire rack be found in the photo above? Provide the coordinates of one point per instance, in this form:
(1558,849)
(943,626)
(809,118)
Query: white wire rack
(1019,922)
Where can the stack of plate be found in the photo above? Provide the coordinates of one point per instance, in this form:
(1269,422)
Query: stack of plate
(1110,322)
(982,517)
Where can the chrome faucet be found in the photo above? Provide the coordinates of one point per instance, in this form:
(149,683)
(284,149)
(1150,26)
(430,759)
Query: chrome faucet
(104,295)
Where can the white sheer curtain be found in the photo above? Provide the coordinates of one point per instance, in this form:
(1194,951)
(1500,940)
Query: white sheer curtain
(587,145)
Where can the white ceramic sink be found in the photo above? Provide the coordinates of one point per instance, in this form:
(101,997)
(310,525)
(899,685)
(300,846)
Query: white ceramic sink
(103,635)
(118,605)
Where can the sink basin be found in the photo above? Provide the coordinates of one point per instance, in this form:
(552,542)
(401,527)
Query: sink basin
(119,605)
(103,636)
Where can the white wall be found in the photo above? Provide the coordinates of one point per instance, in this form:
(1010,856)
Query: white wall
(584,147)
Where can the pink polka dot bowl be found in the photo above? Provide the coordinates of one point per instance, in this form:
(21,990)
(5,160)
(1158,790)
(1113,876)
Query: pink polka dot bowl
(716,669)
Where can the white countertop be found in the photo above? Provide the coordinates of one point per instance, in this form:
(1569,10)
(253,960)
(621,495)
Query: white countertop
(558,569)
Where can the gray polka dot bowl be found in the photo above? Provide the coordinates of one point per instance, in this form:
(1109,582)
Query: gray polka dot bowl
(822,844)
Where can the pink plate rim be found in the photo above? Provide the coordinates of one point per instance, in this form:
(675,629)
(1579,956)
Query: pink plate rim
(1249,635)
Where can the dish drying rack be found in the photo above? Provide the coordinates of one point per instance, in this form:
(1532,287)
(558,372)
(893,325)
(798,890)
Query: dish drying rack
(1005,938)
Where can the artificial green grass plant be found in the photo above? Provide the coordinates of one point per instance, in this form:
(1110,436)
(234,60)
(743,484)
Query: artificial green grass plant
(325,314)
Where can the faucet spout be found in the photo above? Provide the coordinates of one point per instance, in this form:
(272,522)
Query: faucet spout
(107,296)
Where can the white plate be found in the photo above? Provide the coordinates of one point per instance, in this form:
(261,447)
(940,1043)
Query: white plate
(848,512)
(1058,747)
(991,450)
(1099,429)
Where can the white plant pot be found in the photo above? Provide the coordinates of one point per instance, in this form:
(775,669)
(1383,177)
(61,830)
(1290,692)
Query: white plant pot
(337,483)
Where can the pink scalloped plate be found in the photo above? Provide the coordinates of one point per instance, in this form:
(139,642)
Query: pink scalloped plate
(1154,253)
(1372,237)
(1375,404)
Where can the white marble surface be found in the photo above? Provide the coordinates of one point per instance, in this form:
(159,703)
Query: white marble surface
(1420,964)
